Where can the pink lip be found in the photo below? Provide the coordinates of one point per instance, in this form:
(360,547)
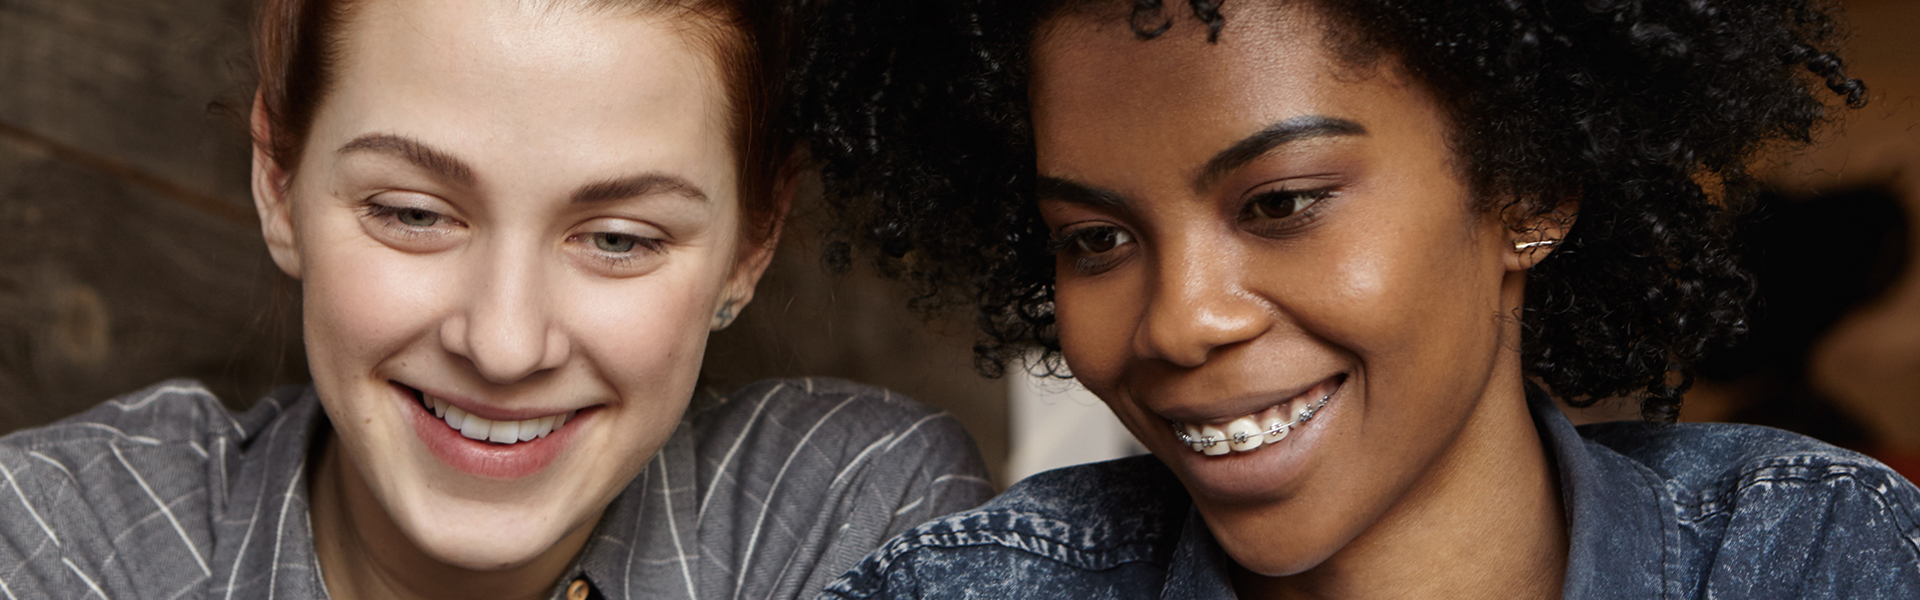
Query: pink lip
(486,459)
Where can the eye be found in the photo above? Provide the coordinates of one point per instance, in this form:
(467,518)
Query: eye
(617,243)
(416,217)
(1281,204)
(1096,240)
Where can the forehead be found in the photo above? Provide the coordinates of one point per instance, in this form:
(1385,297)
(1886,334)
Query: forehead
(1100,93)
(531,83)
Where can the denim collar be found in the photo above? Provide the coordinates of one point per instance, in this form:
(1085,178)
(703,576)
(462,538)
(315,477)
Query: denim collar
(1618,534)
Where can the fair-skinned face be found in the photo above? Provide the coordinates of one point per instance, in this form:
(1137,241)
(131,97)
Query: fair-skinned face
(1253,225)
(525,213)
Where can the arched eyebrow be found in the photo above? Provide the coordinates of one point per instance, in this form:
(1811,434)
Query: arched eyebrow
(448,167)
(644,184)
(427,158)
(1266,140)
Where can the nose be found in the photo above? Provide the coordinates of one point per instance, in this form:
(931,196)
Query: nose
(504,326)
(1196,304)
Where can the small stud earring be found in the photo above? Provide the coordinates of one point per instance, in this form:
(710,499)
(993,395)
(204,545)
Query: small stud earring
(1525,246)
(723,317)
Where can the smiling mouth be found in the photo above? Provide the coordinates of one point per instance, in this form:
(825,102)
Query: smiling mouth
(486,430)
(1254,431)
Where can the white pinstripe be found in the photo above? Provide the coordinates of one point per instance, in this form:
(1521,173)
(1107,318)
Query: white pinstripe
(17,493)
(752,420)
(171,520)
(49,460)
(273,572)
(666,495)
(966,478)
(914,426)
(910,506)
(754,540)
(141,439)
(857,461)
(250,522)
(143,402)
(8,592)
(84,577)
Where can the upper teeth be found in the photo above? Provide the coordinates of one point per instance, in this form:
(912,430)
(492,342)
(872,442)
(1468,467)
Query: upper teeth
(499,432)
(1250,432)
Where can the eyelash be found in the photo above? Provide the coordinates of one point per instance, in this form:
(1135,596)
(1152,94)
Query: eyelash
(390,216)
(1308,203)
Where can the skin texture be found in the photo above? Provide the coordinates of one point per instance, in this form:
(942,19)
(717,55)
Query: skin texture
(1349,256)
(512,287)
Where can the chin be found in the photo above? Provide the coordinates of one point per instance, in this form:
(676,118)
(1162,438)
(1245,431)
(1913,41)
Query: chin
(483,537)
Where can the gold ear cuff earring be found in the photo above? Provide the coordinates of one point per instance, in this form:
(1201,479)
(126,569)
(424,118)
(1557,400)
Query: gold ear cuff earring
(1525,246)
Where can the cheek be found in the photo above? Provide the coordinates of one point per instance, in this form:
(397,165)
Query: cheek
(647,331)
(1096,320)
(361,301)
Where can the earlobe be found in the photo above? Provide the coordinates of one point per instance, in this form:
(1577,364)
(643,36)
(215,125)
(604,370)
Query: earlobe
(270,195)
(754,258)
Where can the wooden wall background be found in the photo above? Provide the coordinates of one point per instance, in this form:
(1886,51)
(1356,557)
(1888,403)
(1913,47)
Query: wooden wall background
(129,251)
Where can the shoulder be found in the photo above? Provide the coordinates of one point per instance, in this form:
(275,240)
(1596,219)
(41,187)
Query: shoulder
(1777,510)
(130,485)
(828,415)
(1059,530)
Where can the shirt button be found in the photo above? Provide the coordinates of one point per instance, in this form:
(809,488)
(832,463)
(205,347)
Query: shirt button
(578,590)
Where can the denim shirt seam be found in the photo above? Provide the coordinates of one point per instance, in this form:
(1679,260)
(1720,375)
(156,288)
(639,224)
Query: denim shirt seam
(1773,471)
(945,534)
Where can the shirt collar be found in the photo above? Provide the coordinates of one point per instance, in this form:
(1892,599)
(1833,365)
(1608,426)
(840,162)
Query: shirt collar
(1618,535)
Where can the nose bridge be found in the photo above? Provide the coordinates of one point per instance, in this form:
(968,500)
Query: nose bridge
(509,331)
(1198,302)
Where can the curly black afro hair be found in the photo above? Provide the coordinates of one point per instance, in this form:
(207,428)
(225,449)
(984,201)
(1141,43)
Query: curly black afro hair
(1648,112)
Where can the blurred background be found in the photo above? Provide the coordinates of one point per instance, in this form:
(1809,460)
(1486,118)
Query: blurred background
(129,253)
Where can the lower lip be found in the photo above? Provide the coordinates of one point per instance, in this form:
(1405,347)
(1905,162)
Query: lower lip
(485,459)
(1262,474)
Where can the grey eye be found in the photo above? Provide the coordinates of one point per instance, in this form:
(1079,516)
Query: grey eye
(617,243)
(414,217)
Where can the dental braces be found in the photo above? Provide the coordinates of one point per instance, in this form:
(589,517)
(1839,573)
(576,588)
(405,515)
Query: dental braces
(1241,438)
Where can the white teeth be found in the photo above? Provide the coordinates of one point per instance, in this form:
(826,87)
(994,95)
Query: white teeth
(1250,432)
(499,432)
(476,428)
(456,418)
(504,432)
(1244,435)
(1270,422)
(1216,449)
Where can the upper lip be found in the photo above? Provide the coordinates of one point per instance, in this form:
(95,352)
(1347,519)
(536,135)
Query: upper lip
(490,413)
(1223,410)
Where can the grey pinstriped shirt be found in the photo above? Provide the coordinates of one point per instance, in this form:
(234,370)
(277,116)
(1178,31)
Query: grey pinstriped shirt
(769,492)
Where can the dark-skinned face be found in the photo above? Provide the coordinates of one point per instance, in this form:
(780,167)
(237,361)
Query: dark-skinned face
(1252,225)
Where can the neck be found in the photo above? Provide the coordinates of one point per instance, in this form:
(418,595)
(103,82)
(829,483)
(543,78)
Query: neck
(364,554)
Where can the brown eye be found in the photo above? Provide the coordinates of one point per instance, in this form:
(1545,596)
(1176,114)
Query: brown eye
(617,243)
(1282,204)
(414,217)
(1101,240)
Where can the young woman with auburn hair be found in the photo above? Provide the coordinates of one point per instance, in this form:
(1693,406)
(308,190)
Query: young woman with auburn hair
(1336,264)
(515,223)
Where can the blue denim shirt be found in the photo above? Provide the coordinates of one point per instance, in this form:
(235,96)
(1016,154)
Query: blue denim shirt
(1680,511)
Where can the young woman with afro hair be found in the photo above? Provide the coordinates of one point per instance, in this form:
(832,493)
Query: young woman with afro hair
(1336,264)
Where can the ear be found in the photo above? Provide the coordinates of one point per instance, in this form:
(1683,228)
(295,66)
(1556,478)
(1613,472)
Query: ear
(1536,237)
(754,258)
(270,183)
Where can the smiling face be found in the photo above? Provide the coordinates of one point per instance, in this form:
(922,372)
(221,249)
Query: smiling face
(513,226)
(1250,227)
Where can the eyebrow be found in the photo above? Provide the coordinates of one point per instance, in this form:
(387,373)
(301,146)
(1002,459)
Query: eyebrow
(1067,190)
(645,184)
(447,166)
(414,151)
(1266,140)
